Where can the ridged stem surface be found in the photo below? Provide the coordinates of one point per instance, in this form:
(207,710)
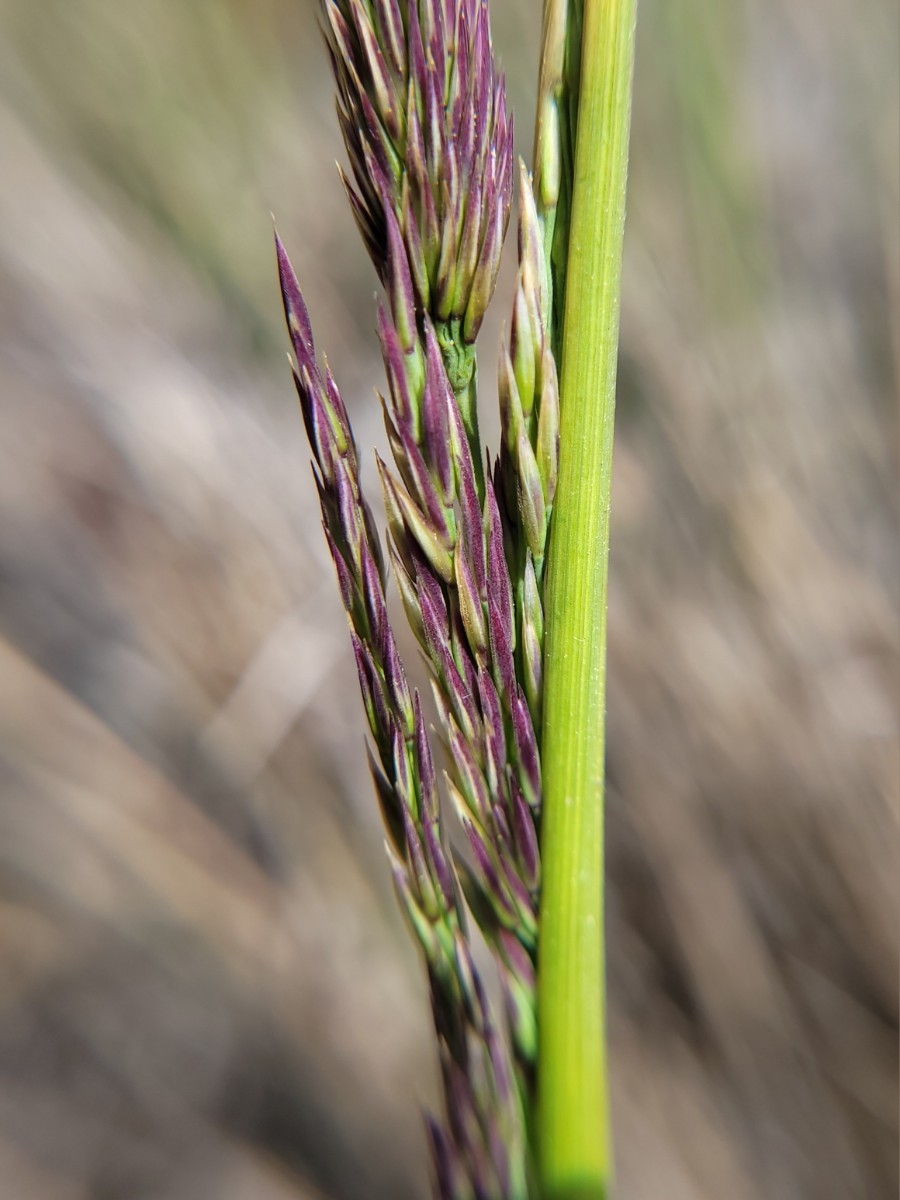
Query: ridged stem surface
(572,1113)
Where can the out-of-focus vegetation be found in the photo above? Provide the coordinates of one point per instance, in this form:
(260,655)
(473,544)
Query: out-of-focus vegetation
(204,988)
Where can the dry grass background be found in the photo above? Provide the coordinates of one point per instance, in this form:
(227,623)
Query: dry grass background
(205,990)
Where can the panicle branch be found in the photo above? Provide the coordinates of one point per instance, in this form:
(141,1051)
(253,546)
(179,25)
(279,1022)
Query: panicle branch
(527,467)
(480,1152)
(554,144)
(447,548)
(423,113)
(424,119)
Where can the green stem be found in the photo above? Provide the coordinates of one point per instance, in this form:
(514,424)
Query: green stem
(572,1114)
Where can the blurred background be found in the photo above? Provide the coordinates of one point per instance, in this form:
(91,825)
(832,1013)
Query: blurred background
(206,992)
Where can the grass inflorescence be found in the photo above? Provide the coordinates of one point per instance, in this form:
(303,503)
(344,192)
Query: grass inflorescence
(422,108)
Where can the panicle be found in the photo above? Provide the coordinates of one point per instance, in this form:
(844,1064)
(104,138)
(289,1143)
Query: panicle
(423,113)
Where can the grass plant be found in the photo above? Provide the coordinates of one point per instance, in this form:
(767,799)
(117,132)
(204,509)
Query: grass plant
(422,107)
